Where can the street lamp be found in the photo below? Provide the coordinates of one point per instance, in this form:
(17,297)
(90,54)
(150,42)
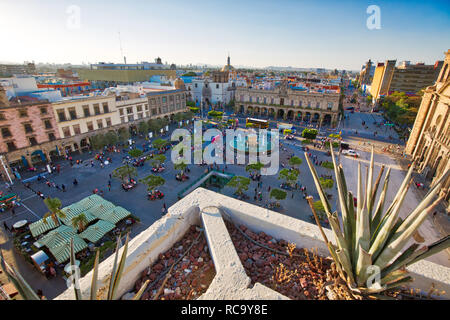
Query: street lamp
(6,170)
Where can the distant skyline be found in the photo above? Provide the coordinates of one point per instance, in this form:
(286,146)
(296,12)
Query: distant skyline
(296,33)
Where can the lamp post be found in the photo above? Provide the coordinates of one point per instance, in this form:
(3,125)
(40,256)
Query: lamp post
(6,170)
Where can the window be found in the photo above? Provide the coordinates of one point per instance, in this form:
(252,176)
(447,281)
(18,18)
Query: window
(108,122)
(23,113)
(147,114)
(146,106)
(171,98)
(76,129)
(61,115)
(6,133)
(309,104)
(122,119)
(43,110)
(139,108)
(48,124)
(153,111)
(164,99)
(217,86)
(265,101)
(130,118)
(129,110)
(96,109)
(11,146)
(105,107)
(152,102)
(271,100)
(33,141)
(257,99)
(28,128)
(72,113)
(195,85)
(2,116)
(292,103)
(251,99)
(90,126)
(66,131)
(330,105)
(140,115)
(318,105)
(51,136)
(282,101)
(300,103)
(86,111)
(121,112)
(100,123)
(242,97)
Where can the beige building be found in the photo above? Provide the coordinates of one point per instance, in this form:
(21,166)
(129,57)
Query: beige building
(429,142)
(407,77)
(284,103)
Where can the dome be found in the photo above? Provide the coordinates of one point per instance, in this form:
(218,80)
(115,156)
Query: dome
(179,84)
(227,68)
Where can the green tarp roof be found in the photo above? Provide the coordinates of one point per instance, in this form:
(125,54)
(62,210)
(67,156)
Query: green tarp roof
(115,214)
(101,208)
(57,236)
(95,232)
(67,220)
(61,252)
(39,227)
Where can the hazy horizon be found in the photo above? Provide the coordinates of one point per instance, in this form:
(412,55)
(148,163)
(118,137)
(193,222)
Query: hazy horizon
(300,34)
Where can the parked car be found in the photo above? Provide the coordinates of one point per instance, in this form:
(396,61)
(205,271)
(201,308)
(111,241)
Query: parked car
(351,153)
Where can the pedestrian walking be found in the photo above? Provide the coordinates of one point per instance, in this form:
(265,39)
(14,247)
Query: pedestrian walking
(13,211)
(5,226)
(63,188)
(75,182)
(109,186)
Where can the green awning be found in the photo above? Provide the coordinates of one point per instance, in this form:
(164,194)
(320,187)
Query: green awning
(57,236)
(115,215)
(39,227)
(61,252)
(101,208)
(67,220)
(95,232)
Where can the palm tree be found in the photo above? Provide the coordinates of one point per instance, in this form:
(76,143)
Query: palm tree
(54,207)
(80,222)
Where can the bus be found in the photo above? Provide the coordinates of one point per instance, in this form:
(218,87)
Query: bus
(257,123)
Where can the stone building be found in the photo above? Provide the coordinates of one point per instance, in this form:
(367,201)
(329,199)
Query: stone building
(429,141)
(286,102)
(48,131)
(29,131)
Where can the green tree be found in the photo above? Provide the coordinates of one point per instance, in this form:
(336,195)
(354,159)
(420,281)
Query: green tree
(124,134)
(125,171)
(295,162)
(289,176)
(158,160)
(80,222)
(239,183)
(143,127)
(326,183)
(159,143)
(309,133)
(111,138)
(278,194)
(98,141)
(328,165)
(54,208)
(180,166)
(135,153)
(152,182)
(254,167)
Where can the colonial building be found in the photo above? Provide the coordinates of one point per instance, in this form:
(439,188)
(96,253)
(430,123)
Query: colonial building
(217,89)
(286,102)
(29,131)
(429,142)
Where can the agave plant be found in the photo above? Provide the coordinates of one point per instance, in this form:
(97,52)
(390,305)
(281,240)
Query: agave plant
(371,237)
(28,293)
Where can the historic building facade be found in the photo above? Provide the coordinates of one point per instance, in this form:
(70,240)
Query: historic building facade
(48,131)
(283,102)
(429,142)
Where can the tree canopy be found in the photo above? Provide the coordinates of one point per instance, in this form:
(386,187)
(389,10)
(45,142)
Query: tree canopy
(289,176)
(278,194)
(159,143)
(135,153)
(54,208)
(239,183)
(125,171)
(152,181)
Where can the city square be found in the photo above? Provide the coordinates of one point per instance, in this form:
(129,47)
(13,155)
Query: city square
(253,180)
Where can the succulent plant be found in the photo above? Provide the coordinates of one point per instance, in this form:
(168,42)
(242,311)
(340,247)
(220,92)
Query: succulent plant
(370,238)
(28,293)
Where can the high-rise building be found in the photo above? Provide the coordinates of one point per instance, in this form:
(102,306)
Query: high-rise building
(429,142)
(406,77)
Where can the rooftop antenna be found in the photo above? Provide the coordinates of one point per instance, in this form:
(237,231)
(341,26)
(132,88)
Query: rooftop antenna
(121,51)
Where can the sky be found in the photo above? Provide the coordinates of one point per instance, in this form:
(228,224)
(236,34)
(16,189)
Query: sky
(297,33)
